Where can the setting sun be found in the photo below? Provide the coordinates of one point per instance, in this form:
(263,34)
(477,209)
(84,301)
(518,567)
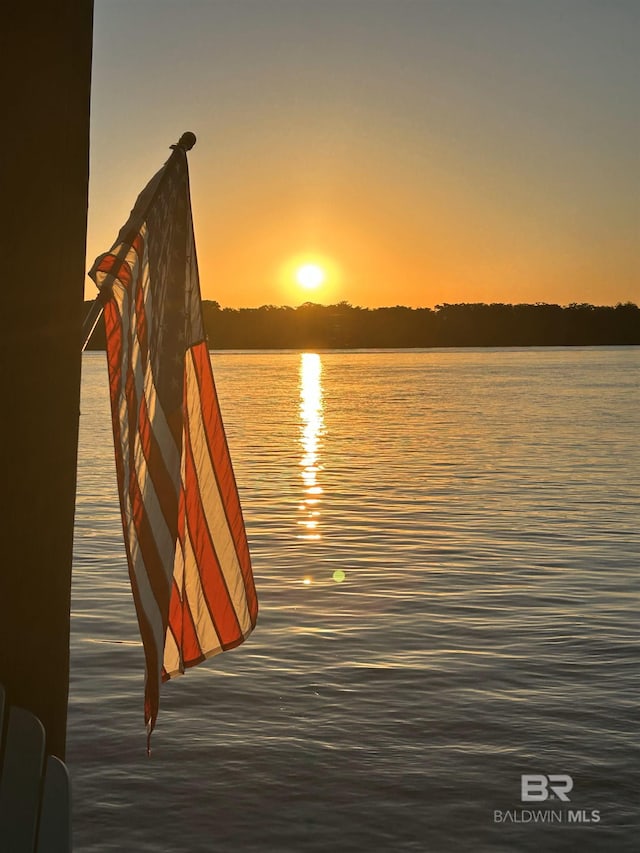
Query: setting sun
(310,276)
(313,273)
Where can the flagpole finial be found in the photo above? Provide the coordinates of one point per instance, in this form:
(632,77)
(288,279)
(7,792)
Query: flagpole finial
(186,141)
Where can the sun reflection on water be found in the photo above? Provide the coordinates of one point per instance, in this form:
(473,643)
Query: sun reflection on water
(311,430)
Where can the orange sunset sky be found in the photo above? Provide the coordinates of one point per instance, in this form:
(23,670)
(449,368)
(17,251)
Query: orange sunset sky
(416,152)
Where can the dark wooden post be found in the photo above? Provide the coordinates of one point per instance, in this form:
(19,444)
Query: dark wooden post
(45,58)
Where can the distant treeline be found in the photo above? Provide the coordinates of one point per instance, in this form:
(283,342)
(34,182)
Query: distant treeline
(464,325)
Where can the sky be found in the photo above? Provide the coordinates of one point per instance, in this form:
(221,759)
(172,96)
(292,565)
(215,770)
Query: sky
(415,152)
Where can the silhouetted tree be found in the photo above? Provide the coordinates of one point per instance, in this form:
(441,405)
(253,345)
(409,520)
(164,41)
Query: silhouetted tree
(344,326)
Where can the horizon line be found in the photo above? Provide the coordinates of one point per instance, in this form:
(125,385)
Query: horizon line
(345,303)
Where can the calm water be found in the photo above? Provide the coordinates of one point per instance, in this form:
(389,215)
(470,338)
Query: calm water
(446,551)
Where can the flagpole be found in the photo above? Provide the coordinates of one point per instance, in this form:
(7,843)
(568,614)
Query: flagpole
(185,143)
(91,320)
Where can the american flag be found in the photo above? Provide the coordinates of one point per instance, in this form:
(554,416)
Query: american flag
(184,534)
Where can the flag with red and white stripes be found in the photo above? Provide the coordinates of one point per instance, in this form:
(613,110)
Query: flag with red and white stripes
(184,534)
